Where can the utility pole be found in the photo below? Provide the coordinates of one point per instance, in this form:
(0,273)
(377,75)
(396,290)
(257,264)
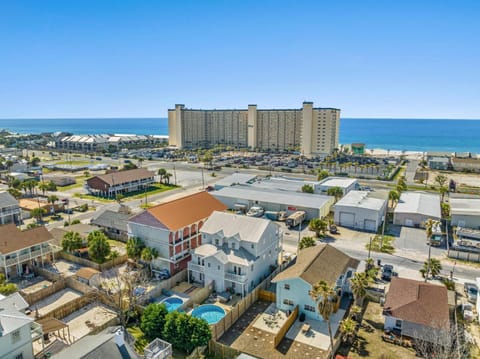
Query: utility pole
(369,247)
(383,225)
(428,262)
(174,174)
(299,234)
(203,180)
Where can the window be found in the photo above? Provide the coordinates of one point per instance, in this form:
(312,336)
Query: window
(19,356)
(208,265)
(286,286)
(253,246)
(288,302)
(218,267)
(398,323)
(233,245)
(309,308)
(251,268)
(15,336)
(217,242)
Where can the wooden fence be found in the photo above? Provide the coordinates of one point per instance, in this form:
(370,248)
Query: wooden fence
(88,263)
(47,291)
(70,307)
(166,284)
(77,285)
(266,296)
(285,327)
(219,350)
(39,271)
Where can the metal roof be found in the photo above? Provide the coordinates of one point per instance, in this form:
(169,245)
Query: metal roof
(361,199)
(465,206)
(236,178)
(423,203)
(306,200)
(342,182)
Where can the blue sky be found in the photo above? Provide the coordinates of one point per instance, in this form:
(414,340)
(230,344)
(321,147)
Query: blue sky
(114,58)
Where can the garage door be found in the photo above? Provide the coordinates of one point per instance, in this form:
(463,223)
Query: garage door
(347,219)
(409,222)
(370,225)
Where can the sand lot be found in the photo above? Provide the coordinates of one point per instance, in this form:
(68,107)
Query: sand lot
(466,179)
(54,301)
(83,321)
(37,286)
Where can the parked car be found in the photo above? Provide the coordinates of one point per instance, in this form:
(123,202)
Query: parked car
(471,291)
(387,272)
(255,211)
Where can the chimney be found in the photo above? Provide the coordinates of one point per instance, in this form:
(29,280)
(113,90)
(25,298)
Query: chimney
(119,338)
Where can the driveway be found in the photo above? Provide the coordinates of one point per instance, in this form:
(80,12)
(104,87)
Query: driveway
(414,241)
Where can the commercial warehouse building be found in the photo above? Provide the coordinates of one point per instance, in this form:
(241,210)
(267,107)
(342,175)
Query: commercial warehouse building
(414,208)
(357,209)
(465,212)
(310,130)
(345,183)
(315,206)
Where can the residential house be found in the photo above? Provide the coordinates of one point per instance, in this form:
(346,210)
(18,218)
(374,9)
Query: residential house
(20,250)
(82,229)
(417,309)
(466,164)
(17,333)
(114,183)
(173,228)
(414,208)
(14,301)
(9,209)
(318,263)
(114,224)
(439,163)
(236,254)
(359,210)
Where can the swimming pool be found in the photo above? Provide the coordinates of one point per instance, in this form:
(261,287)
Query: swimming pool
(210,312)
(172,303)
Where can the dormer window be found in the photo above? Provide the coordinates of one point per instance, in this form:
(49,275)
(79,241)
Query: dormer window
(217,242)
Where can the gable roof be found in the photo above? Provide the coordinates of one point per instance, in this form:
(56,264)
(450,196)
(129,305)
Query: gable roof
(321,262)
(424,203)
(417,302)
(13,239)
(249,229)
(184,211)
(465,206)
(14,302)
(112,219)
(7,200)
(115,178)
(11,320)
(361,199)
(86,272)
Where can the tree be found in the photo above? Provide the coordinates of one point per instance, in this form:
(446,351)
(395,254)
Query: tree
(148,255)
(394,197)
(348,328)
(207,157)
(51,186)
(43,186)
(186,332)
(445,342)
(443,190)
(359,284)
(86,174)
(445,210)
(401,184)
(6,288)
(71,241)
(430,224)
(322,174)
(38,213)
(441,180)
(306,242)
(326,299)
(336,192)
(134,248)
(98,246)
(167,177)
(52,199)
(319,226)
(161,172)
(306,188)
(129,166)
(35,161)
(433,269)
(153,320)
(15,192)
(355,310)
(113,255)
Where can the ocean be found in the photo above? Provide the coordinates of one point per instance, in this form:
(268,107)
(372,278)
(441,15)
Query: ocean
(389,134)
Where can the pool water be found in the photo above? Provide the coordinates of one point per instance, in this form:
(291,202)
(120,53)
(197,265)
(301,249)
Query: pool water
(172,303)
(209,312)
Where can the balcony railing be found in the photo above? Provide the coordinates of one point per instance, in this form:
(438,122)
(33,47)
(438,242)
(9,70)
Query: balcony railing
(241,278)
(196,268)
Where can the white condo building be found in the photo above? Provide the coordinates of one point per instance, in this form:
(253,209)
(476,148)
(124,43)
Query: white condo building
(237,252)
(310,130)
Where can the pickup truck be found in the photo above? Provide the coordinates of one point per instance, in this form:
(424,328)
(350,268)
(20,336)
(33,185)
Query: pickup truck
(387,272)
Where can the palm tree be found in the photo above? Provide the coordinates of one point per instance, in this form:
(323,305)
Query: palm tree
(355,310)
(38,213)
(15,192)
(148,255)
(306,242)
(433,267)
(326,299)
(52,199)
(359,284)
(319,226)
(162,172)
(393,196)
(167,177)
(429,225)
(348,328)
(71,241)
(43,186)
(134,248)
(336,192)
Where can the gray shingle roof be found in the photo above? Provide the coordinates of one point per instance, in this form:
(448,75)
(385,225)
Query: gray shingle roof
(7,200)
(111,219)
(14,302)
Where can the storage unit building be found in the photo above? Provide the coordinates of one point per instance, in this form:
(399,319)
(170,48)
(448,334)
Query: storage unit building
(465,212)
(360,211)
(414,208)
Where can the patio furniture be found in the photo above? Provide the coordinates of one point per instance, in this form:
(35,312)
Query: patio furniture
(305,328)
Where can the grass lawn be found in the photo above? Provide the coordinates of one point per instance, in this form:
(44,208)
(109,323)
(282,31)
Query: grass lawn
(80,182)
(369,343)
(386,245)
(153,189)
(74,163)
(94,198)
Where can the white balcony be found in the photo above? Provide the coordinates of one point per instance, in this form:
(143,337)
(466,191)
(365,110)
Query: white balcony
(240,278)
(196,268)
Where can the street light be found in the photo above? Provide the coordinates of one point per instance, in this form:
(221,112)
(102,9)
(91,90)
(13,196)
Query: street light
(369,247)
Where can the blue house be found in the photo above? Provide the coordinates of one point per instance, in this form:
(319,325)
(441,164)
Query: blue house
(313,264)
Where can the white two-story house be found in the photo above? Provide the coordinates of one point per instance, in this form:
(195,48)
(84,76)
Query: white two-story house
(9,209)
(314,264)
(236,254)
